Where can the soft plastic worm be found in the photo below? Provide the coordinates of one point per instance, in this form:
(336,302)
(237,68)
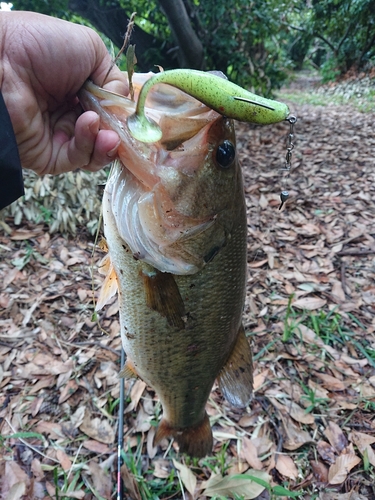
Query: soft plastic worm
(217,93)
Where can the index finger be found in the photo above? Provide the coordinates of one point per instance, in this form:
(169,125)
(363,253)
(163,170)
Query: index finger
(106,74)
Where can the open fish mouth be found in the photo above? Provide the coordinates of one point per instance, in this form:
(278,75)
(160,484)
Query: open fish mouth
(166,206)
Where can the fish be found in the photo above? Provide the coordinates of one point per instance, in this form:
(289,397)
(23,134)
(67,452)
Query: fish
(175,225)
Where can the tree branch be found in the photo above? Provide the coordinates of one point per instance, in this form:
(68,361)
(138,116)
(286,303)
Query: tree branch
(112,21)
(190,49)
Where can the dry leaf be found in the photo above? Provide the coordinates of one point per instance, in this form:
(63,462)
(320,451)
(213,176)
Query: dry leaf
(77,418)
(64,460)
(96,447)
(15,481)
(162,468)
(295,437)
(52,429)
(363,443)
(69,389)
(308,335)
(187,477)
(326,452)
(100,430)
(151,449)
(320,471)
(135,395)
(36,468)
(17,491)
(143,420)
(309,303)
(333,495)
(101,479)
(338,291)
(130,483)
(238,484)
(331,383)
(250,453)
(340,469)
(286,466)
(256,264)
(259,379)
(336,437)
(300,415)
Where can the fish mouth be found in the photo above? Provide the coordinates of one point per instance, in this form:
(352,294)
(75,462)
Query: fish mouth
(146,189)
(179,116)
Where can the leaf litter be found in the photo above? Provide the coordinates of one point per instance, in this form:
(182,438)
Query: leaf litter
(309,316)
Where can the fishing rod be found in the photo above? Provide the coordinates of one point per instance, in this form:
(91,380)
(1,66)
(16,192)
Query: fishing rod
(120,438)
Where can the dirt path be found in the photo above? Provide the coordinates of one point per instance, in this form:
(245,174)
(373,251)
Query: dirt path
(314,391)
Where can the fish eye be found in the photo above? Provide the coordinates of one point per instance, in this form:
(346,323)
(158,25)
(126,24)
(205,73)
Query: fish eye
(225,154)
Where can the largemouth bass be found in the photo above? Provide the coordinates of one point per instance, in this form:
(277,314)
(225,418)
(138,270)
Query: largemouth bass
(175,223)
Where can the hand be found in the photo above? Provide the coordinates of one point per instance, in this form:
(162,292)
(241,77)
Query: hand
(45,61)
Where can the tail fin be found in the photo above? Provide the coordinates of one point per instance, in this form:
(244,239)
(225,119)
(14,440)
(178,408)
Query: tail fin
(195,441)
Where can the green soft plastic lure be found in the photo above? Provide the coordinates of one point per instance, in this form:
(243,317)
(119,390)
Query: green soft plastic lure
(217,93)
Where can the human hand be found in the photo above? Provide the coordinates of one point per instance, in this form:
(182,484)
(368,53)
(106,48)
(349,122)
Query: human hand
(45,61)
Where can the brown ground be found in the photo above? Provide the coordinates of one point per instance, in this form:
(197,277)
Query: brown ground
(311,425)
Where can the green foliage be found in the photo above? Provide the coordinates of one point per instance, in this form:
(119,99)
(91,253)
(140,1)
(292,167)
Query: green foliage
(253,42)
(57,8)
(348,28)
(244,40)
(340,34)
(150,487)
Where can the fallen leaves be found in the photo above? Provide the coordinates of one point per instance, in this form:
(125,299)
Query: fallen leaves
(241,485)
(58,370)
(286,466)
(339,471)
(97,428)
(188,479)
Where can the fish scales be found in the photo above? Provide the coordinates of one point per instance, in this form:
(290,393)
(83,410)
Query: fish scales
(175,223)
(182,364)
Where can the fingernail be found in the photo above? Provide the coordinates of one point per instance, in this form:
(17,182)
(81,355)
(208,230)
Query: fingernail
(112,153)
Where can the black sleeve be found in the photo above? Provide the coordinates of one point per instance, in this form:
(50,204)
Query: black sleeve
(11,181)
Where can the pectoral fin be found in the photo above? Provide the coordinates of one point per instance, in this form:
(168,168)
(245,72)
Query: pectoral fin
(110,284)
(163,296)
(236,378)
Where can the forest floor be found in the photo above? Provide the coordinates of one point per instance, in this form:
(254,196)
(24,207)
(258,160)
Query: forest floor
(310,317)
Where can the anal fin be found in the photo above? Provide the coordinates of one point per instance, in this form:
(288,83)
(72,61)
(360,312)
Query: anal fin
(195,441)
(236,377)
(128,371)
(163,296)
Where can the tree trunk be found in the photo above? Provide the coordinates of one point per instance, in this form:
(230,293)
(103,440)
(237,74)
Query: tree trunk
(190,52)
(112,20)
